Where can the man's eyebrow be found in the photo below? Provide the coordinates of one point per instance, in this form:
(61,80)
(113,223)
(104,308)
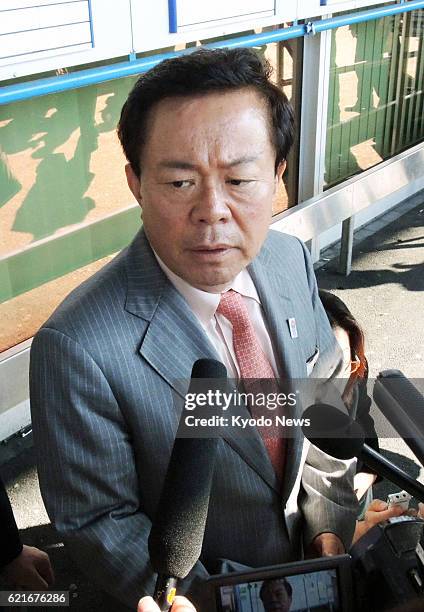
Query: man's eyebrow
(247,159)
(178,164)
(183,165)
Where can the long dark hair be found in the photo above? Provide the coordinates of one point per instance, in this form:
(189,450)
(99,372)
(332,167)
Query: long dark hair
(339,315)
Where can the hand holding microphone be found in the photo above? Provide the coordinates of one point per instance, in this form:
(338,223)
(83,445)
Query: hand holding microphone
(181,604)
(377,512)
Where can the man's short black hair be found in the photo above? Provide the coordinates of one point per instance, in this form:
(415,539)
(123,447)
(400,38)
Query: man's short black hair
(280,581)
(198,73)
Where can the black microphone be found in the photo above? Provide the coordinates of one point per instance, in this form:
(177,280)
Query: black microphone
(333,431)
(176,536)
(403,406)
(336,434)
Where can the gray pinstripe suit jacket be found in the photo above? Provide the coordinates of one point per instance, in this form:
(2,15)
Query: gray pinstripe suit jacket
(104,369)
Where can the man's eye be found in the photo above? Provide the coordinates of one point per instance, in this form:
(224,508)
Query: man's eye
(180,184)
(238,182)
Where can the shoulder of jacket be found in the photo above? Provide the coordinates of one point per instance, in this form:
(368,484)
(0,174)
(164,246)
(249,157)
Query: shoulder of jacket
(107,286)
(280,240)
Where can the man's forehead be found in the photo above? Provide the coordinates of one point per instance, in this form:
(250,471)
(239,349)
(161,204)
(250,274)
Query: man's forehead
(227,129)
(276,586)
(242,94)
(181,164)
(209,112)
(211,116)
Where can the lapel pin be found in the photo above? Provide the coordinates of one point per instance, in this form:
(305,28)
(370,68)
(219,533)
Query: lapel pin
(293,327)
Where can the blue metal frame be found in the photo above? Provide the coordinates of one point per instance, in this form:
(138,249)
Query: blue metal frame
(92,76)
(90,15)
(371,15)
(172,12)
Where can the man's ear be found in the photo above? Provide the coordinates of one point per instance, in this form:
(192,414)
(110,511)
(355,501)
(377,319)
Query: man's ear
(280,171)
(133,182)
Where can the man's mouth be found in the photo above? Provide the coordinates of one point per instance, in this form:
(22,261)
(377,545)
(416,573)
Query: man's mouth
(211,251)
(212,247)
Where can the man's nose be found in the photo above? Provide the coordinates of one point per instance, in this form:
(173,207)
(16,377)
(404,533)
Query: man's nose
(212,206)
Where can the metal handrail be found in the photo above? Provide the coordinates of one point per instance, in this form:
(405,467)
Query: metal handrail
(41,87)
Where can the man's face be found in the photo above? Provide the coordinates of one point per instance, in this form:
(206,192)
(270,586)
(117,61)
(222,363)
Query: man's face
(207,184)
(275,597)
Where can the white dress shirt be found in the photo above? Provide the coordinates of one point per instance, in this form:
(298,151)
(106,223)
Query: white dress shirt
(217,328)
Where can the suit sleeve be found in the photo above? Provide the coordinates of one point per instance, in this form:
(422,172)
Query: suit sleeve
(87,470)
(11,545)
(328,500)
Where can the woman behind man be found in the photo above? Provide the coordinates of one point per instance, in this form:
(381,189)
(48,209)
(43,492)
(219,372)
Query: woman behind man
(355,370)
(351,339)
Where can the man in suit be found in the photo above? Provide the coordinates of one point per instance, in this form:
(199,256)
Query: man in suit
(206,137)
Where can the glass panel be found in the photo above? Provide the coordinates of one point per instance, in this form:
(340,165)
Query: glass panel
(61,170)
(30,309)
(61,184)
(376,93)
(286,58)
(61,163)
(290,77)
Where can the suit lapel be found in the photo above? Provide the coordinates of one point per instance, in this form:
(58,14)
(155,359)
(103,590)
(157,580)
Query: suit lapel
(174,340)
(274,292)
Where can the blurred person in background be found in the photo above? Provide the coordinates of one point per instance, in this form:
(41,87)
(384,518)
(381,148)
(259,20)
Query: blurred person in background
(276,595)
(21,566)
(351,339)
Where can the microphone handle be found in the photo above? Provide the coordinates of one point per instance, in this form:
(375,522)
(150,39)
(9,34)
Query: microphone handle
(385,468)
(165,591)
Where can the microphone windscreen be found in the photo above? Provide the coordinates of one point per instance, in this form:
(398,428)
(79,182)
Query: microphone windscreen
(177,532)
(208,368)
(333,431)
(402,404)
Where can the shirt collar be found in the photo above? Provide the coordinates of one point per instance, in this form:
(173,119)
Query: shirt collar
(204,303)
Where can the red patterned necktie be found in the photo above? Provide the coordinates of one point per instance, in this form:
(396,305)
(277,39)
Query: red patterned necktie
(253,364)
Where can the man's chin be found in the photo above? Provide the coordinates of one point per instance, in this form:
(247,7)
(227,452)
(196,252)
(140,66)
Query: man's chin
(214,281)
(217,286)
